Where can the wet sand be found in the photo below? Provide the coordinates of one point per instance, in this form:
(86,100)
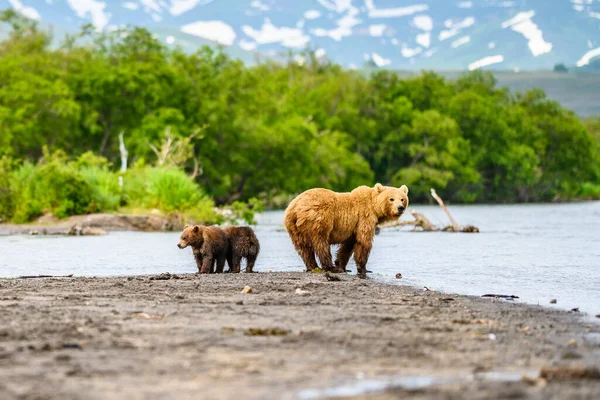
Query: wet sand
(200,337)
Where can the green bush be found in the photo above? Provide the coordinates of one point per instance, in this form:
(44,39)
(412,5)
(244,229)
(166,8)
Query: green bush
(6,195)
(53,187)
(590,191)
(169,190)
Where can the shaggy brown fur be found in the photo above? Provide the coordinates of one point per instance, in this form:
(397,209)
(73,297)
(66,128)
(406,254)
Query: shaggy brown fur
(209,245)
(319,218)
(243,243)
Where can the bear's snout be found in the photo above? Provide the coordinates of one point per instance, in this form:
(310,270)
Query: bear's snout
(400,209)
(180,245)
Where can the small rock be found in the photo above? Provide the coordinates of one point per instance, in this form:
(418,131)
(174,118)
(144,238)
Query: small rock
(75,230)
(301,292)
(240,302)
(572,343)
(571,355)
(576,309)
(71,346)
(332,278)
(533,381)
(597,315)
(425,288)
(89,231)
(491,336)
(33,232)
(266,332)
(398,275)
(553,301)
(247,289)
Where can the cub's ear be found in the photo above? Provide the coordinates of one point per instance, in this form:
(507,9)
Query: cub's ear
(196,229)
(186,226)
(379,187)
(404,188)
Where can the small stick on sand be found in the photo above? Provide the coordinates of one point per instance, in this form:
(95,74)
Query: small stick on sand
(44,276)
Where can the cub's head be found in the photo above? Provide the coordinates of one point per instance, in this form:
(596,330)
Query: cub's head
(391,202)
(191,236)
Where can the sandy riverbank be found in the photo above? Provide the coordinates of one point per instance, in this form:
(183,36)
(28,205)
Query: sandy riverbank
(199,337)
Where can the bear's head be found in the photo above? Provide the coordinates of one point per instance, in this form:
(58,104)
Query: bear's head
(191,236)
(390,202)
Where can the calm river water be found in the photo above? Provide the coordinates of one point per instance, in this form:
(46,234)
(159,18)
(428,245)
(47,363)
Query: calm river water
(537,252)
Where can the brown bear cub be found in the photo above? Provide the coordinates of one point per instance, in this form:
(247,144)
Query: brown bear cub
(209,245)
(243,243)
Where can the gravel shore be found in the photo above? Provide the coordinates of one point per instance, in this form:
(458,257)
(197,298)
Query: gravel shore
(295,335)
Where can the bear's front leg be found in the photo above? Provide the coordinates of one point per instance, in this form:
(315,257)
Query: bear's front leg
(207,264)
(198,259)
(361,256)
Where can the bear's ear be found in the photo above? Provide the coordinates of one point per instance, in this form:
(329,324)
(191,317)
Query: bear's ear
(196,229)
(379,187)
(186,226)
(404,188)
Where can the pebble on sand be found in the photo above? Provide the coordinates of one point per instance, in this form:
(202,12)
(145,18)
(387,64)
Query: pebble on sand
(247,289)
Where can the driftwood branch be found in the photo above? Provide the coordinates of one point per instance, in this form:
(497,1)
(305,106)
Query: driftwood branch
(421,223)
(44,276)
(124,153)
(441,203)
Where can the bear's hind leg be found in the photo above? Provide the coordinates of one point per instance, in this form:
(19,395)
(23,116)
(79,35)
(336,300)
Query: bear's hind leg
(307,253)
(220,264)
(250,260)
(237,261)
(343,255)
(323,250)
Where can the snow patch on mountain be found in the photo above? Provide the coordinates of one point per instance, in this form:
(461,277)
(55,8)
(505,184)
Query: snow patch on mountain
(585,60)
(247,45)
(424,39)
(27,12)
(343,29)
(523,24)
(269,33)
(217,31)
(377,30)
(393,12)
(92,10)
(130,5)
(484,62)
(380,61)
(423,22)
(460,42)
(312,14)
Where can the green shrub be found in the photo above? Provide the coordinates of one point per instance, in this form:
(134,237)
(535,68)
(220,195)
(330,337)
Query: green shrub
(590,191)
(6,194)
(50,187)
(169,190)
(106,192)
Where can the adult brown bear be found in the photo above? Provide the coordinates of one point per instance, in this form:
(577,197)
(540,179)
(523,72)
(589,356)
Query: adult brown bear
(319,218)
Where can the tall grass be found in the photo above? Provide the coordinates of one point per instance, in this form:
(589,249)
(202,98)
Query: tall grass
(87,185)
(52,187)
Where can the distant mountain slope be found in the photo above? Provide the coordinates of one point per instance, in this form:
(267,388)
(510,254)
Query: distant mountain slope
(432,34)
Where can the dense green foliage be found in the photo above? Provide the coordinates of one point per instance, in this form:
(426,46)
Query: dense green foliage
(267,131)
(86,185)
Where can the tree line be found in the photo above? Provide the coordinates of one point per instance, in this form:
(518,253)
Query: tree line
(274,129)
